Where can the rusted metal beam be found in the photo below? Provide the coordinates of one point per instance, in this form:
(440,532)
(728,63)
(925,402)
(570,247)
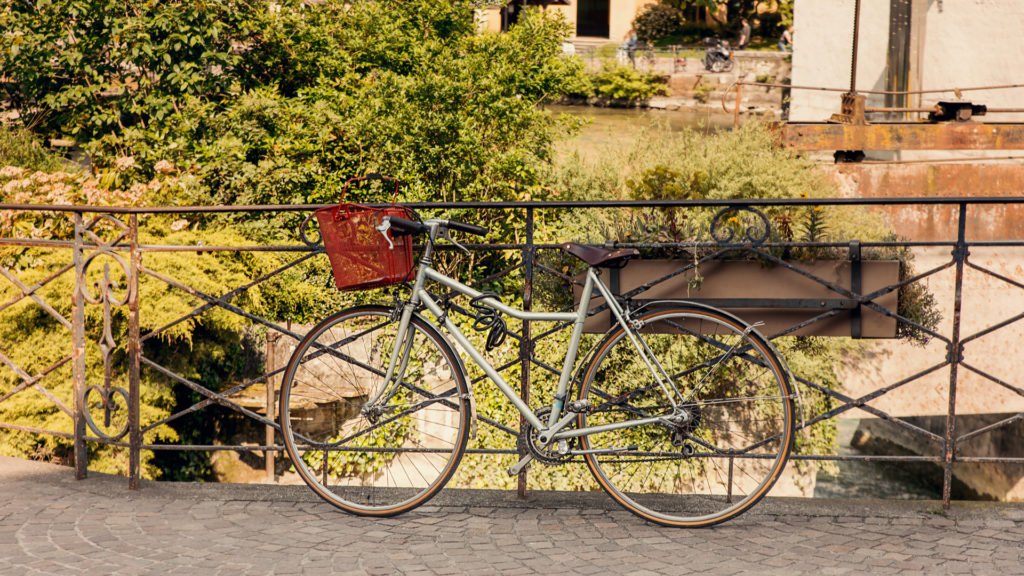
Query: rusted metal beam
(134,354)
(900,136)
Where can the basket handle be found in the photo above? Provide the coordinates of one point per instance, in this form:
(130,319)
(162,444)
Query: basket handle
(369,178)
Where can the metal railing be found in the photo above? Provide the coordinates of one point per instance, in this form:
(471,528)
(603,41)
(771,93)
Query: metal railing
(92,409)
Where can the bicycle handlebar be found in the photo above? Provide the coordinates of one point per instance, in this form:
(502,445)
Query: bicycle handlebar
(402,226)
(467,228)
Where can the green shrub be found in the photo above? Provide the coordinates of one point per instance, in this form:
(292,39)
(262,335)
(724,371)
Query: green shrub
(624,83)
(692,164)
(657,21)
(321,91)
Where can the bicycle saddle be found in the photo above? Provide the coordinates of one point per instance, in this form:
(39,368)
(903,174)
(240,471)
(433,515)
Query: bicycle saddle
(600,257)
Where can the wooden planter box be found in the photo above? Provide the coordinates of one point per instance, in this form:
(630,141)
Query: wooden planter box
(775,295)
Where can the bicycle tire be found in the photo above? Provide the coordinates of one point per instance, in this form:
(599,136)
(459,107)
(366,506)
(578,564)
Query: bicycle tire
(741,432)
(373,464)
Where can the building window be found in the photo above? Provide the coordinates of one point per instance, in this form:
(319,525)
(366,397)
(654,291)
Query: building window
(592,18)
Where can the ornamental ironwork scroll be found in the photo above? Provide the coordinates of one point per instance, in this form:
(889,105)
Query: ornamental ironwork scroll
(108,398)
(740,225)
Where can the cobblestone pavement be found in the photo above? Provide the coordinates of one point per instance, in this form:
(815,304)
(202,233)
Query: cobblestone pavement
(52,524)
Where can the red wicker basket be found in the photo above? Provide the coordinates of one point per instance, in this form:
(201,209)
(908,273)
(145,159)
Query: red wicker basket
(363,255)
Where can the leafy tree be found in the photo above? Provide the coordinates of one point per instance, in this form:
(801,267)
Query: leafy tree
(273,104)
(105,71)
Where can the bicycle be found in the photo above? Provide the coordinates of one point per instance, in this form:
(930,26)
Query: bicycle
(683,412)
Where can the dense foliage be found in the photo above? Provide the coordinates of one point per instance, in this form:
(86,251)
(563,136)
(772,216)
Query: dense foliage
(725,165)
(273,102)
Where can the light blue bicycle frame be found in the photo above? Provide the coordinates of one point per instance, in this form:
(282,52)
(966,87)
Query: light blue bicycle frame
(552,430)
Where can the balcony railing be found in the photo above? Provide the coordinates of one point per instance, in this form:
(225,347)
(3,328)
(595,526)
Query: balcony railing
(99,253)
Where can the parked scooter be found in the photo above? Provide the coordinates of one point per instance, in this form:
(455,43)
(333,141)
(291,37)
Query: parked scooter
(717,55)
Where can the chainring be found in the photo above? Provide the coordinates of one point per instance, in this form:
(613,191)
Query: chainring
(547,455)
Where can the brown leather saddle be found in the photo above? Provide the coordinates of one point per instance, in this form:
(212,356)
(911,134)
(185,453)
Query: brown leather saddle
(600,257)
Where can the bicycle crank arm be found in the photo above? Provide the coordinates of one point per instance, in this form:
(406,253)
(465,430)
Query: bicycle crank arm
(604,450)
(520,465)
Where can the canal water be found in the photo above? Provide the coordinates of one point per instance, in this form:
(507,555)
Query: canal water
(890,481)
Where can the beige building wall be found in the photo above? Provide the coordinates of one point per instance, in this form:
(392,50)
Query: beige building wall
(975,43)
(622,13)
(822,48)
(979,43)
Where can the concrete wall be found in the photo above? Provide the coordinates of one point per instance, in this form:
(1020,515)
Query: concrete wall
(976,43)
(987,300)
(822,48)
(965,43)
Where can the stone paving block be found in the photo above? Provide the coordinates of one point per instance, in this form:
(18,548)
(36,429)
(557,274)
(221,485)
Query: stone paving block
(50,525)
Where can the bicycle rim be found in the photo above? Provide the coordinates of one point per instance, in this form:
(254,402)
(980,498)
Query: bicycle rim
(733,449)
(389,460)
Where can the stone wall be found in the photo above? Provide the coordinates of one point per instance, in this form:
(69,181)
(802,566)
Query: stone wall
(982,480)
(691,86)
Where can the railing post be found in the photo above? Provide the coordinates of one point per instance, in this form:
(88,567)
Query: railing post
(954,356)
(736,110)
(271,382)
(525,345)
(78,351)
(134,355)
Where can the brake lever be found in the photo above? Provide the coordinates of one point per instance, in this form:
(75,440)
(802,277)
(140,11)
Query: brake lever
(448,236)
(383,228)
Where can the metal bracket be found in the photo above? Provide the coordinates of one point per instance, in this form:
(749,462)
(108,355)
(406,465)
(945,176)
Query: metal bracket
(856,286)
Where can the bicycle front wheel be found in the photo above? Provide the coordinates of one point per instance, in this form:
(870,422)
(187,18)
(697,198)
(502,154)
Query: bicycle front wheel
(364,446)
(738,427)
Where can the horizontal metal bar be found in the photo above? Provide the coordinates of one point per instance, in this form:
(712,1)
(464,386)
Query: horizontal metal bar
(34,430)
(273,448)
(808,303)
(29,243)
(865,458)
(574,204)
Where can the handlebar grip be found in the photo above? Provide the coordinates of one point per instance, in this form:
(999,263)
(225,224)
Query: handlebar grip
(467,228)
(401,226)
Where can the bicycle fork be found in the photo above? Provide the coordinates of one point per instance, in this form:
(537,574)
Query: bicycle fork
(397,364)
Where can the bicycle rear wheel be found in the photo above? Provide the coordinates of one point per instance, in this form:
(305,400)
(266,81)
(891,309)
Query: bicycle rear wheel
(381,459)
(737,439)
